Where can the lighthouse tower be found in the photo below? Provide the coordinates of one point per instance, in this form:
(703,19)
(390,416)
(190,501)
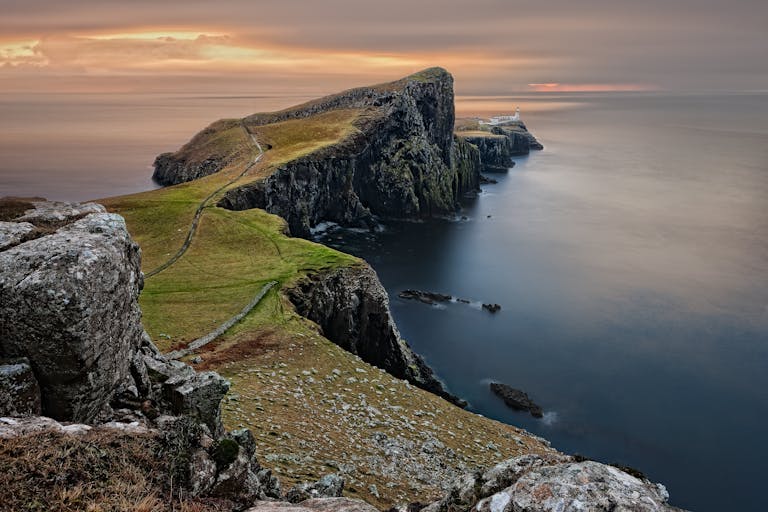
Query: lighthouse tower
(516,117)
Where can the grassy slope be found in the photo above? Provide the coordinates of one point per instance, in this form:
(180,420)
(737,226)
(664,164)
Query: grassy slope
(284,387)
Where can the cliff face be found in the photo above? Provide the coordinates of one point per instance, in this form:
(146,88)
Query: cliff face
(352,308)
(496,151)
(403,161)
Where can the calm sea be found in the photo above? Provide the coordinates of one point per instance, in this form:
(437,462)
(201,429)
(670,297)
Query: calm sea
(630,259)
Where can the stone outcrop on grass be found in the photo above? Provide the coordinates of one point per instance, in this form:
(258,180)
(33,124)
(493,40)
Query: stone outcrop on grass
(555,483)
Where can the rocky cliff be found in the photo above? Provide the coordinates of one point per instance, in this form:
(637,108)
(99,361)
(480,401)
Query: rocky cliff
(498,144)
(496,151)
(352,308)
(402,161)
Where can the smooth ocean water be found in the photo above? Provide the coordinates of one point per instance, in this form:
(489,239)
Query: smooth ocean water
(630,258)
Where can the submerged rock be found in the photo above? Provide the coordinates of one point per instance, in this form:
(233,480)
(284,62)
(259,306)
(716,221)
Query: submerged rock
(425,297)
(492,308)
(516,399)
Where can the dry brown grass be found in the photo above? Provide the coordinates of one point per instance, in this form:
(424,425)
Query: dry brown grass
(101,471)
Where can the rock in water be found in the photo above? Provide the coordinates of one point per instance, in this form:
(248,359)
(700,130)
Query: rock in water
(425,297)
(68,303)
(516,399)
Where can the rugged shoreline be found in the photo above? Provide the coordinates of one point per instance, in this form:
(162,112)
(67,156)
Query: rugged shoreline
(317,371)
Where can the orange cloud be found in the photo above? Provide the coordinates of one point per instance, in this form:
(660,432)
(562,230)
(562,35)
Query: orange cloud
(558,87)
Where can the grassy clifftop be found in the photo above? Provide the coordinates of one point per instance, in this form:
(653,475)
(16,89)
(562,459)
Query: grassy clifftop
(313,407)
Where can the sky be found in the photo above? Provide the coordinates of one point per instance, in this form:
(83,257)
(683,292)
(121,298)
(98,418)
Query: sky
(493,47)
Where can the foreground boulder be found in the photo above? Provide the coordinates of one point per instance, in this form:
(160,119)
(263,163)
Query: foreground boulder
(556,483)
(68,303)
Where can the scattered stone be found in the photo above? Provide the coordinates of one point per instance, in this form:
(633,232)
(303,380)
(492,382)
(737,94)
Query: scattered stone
(329,486)
(314,505)
(516,399)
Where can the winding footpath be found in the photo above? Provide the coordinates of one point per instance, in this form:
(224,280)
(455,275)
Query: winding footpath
(224,327)
(202,206)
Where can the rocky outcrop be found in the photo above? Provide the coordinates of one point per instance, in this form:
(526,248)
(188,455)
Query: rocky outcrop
(522,141)
(352,308)
(516,399)
(68,303)
(534,483)
(403,161)
(69,316)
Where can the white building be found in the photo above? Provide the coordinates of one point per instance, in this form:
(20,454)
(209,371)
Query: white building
(502,119)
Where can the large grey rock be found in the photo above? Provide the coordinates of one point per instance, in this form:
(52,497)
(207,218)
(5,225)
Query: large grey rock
(199,397)
(329,486)
(19,391)
(314,505)
(68,303)
(555,483)
(588,486)
(352,308)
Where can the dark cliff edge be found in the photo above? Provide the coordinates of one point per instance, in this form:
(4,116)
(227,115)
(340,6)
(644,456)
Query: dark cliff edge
(352,308)
(207,153)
